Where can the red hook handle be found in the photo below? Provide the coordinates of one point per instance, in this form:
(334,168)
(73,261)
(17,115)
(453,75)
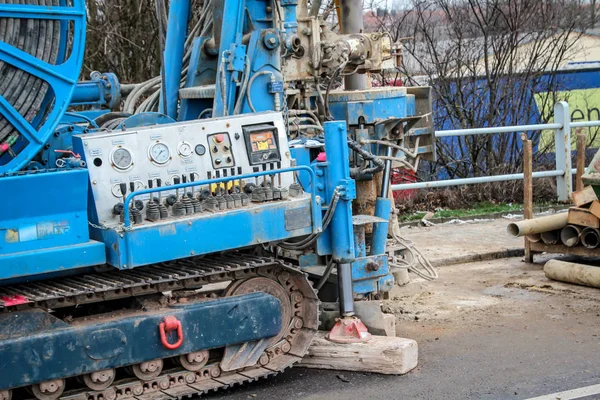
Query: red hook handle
(170,324)
(68,152)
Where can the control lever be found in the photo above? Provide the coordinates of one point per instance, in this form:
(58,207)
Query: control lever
(198,207)
(119,208)
(134,212)
(187,202)
(178,208)
(162,209)
(152,211)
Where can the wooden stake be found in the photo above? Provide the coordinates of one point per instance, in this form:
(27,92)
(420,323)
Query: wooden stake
(527,191)
(581,139)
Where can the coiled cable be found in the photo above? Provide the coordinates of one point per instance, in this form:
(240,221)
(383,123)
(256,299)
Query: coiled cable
(419,264)
(25,92)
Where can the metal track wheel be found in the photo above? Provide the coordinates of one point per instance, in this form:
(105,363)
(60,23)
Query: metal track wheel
(49,390)
(194,361)
(99,380)
(147,370)
(5,395)
(269,286)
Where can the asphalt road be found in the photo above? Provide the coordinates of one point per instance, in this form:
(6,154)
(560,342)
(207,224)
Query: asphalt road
(509,343)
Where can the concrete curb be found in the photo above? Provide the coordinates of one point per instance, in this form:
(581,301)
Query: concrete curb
(496,215)
(492,255)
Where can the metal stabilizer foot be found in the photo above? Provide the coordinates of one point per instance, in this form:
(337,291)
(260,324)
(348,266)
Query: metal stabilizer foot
(349,330)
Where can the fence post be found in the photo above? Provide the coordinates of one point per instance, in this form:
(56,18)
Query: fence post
(562,140)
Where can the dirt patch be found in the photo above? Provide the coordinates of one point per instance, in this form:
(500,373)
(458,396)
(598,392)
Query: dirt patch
(480,292)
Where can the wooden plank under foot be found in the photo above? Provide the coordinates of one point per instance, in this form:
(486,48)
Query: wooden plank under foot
(382,354)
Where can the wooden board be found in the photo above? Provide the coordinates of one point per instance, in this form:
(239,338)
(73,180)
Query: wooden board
(382,354)
(584,196)
(582,216)
(595,208)
(540,247)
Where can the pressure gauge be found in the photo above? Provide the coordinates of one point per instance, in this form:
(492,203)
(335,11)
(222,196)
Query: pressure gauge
(159,153)
(121,158)
(184,149)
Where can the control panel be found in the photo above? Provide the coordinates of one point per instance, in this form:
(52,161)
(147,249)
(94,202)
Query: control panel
(122,162)
(220,151)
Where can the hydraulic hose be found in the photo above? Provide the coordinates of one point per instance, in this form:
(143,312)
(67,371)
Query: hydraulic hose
(367,156)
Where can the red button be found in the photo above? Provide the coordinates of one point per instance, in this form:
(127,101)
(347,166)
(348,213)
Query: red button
(220,138)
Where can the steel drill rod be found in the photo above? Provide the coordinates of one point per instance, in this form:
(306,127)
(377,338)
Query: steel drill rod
(385,180)
(352,22)
(344,272)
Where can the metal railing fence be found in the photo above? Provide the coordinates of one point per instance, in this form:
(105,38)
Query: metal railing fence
(563,170)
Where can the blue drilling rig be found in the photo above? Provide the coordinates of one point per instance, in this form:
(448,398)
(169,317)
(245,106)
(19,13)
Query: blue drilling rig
(160,240)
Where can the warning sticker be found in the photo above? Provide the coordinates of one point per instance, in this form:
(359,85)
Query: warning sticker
(37,231)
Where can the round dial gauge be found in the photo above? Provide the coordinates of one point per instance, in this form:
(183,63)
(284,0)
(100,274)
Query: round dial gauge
(121,158)
(160,153)
(184,149)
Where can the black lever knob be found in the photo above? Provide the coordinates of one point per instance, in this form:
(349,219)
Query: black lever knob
(158,182)
(117,209)
(123,187)
(149,183)
(171,199)
(132,186)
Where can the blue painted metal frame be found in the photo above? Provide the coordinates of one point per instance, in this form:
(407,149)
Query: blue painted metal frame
(314,202)
(201,72)
(47,229)
(231,54)
(177,27)
(338,177)
(61,78)
(205,234)
(101,90)
(132,246)
(370,272)
(36,346)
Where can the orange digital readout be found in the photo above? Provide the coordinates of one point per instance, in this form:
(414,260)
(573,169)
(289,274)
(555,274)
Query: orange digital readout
(263,141)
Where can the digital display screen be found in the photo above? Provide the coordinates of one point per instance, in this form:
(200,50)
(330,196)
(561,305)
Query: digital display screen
(262,141)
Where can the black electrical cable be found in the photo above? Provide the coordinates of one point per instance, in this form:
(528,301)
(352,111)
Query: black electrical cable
(336,73)
(309,240)
(40,38)
(367,156)
(326,273)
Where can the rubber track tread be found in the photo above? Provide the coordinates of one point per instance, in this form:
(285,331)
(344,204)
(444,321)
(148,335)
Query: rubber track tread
(179,383)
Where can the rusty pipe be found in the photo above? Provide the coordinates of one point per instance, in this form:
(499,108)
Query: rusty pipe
(578,274)
(537,225)
(569,235)
(534,237)
(550,237)
(590,238)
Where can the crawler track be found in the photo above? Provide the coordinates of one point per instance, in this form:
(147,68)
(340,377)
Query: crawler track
(177,383)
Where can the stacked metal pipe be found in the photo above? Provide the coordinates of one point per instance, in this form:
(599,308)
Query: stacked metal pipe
(555,229)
